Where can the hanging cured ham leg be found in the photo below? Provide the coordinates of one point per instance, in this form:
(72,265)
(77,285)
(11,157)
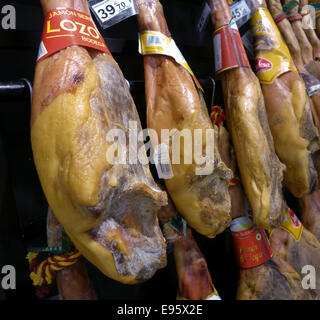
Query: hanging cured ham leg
(106,205)
(312,84)
(308,40)
(298,247)
(73,282)
(175,103)
(315,4)
(307,26)
(193,275)
(309,208)
(287,103)
(261,275)
(260,168)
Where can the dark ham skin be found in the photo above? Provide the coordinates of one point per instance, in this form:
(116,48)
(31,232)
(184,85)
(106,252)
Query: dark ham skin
(194,278)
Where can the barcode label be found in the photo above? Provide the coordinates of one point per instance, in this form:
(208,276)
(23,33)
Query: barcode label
(154,40)
(162,161)
(42,51)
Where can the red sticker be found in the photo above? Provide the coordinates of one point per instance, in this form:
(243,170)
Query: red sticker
(229,52)
(295,221)
(262,64)
(252,247)
(66,27)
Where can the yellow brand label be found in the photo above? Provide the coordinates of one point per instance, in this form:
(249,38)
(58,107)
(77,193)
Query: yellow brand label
(292,225)
(154,42)
(272,56)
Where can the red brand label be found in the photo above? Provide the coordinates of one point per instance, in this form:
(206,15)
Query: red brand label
(229,52)
(252,247)
(262,64)
(66,27)
(295,221)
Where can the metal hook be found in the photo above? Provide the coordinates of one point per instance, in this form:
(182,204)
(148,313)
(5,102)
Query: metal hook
(29,86)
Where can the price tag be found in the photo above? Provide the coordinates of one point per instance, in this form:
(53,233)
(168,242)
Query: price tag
(240,12)
(111,12)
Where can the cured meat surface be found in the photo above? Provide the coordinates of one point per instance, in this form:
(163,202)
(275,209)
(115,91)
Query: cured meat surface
(310,32)
(299,254)
(273,280)
(308,41)
(107,208)
(293,44)
(174,102)
(260,169)
(193,275)
(73,282)
(310,212)
(289,115)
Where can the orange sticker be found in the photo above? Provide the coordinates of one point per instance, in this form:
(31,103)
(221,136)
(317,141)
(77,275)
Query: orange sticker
(65,27)
(229,52)
(250,242)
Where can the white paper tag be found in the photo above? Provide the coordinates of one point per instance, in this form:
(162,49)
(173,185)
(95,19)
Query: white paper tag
(110,12)
(214,297)
(240,12)
(217,52)
(162,161)
(42,50)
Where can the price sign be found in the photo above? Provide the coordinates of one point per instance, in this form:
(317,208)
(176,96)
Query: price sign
(240,12)
(110,12)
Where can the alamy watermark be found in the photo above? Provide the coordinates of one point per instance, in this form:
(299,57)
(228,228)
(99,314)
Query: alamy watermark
(188,146)
(8,17)
(309,280)
(8,274)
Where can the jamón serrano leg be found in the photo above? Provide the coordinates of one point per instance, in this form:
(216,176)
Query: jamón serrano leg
(260,169)
(292,42)
(298,254)
(309,50)
(175,103)
(275,279)
(73,282)
(193,275)
(107,207)
(287,103)
(310,33)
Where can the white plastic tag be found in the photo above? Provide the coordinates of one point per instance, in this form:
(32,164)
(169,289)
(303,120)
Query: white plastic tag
(240,12)
(111,12)
(162,161)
